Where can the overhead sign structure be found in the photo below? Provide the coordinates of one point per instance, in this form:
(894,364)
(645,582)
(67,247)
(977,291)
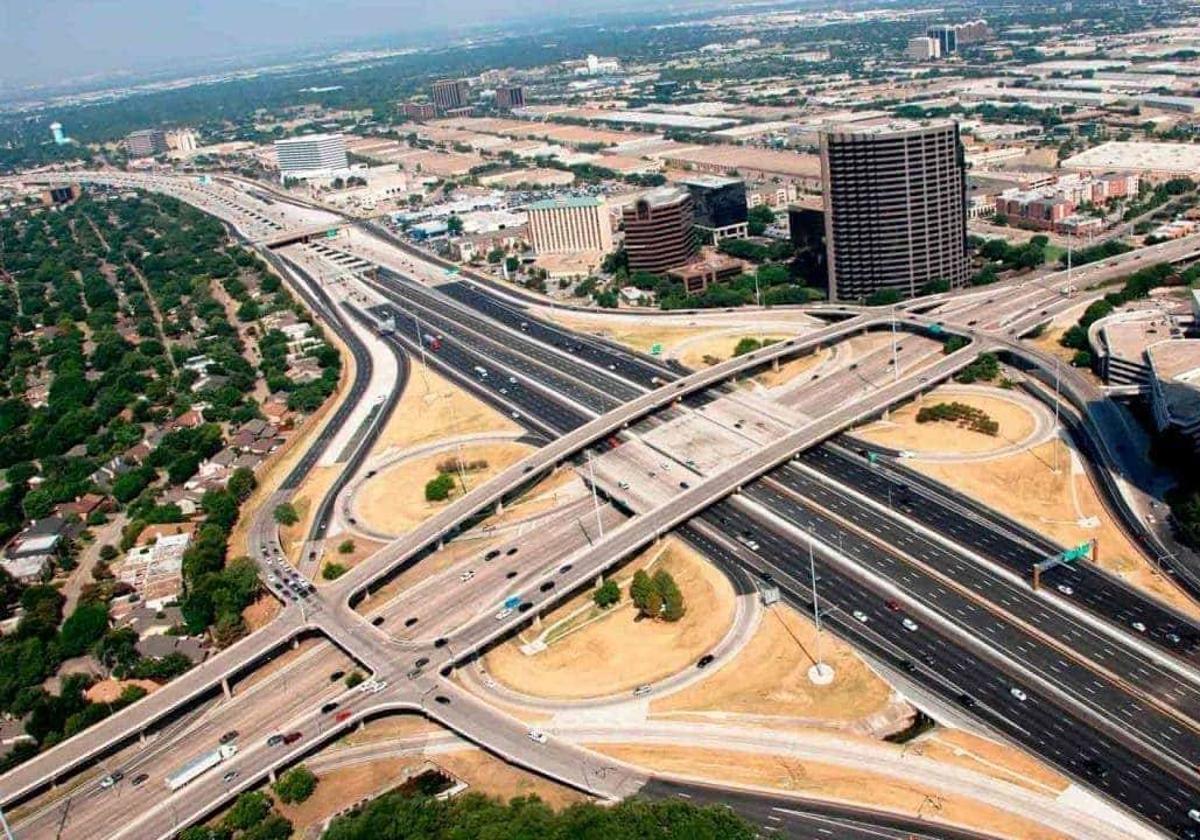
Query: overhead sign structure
(1065,558)
(656,349)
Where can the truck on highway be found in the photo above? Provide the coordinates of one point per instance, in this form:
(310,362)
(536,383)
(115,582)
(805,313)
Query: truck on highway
(200,765)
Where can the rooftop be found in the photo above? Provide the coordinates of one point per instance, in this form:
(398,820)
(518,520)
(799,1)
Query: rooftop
(1137,155)
(567,201)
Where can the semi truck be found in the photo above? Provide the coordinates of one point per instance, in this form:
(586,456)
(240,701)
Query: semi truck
(200,765)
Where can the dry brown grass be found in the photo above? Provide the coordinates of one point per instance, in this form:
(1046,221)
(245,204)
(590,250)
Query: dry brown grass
(789,370)
(393,501)
(617,652)
(902,431)
(770,677)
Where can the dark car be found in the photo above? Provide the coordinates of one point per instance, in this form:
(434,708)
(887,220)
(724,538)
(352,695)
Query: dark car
(274,740)
(547,586)
(439,642)
(292,737)
(377,620)
(1095,769)
(422,662)
(139,779)
(566,568)
(892,604)
(907,665)
(329,707)
(526,607)
(511,552)
(410,622)
(336,675)
(492,555)
(441,698)
(967,700)
(705,660)
(683,485)
(231,735)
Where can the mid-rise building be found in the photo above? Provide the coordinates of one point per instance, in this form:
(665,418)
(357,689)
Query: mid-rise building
(182,140)
(951,36)
(146,143)
(946,36)
(658,230)
(420,110)
(895,208)
(56,131)
(310,155)
(924,48)
(1052,206)
(509,97)
(570,226)
(451,94)
(719,206)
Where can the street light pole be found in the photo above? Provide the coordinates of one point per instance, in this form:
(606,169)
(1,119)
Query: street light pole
(595,498)
(818,672)
(1056,409)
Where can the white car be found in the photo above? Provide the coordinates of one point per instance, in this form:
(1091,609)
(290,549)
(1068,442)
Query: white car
(516,415)
(1195,814)
(377,686)
(538,736)
(642,691)
(909,624)
(624,485)
(1064,589)
(467,575)
(504,613)
(1138,626)
(1018,693)
(861,616)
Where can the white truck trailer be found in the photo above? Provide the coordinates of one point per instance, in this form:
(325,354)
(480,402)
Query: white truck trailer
(200,765)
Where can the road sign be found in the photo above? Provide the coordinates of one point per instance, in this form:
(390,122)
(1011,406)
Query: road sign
(452,270)
(656,349)
(873,457)
(331,233)
(1065,558)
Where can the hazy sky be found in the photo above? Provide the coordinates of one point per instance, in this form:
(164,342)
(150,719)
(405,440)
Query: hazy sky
(56,40)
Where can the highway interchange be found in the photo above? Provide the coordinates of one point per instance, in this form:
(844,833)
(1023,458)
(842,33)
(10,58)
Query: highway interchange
(1139,749)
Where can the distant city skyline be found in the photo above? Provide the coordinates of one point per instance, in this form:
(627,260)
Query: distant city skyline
(77,40)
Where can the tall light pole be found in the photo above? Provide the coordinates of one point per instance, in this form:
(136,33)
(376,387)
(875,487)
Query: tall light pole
(595,498)
(1056,409)
(895,351)
(820,673)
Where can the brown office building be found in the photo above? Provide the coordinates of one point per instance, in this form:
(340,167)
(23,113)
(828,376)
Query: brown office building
(895,209)
(451,94)
(509,97)
(658,230)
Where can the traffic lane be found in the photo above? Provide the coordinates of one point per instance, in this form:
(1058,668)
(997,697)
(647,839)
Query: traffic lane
(920,499)
(1018,600)
(502,348)
(1154,728)
(96,812)
(566,360)
(944,667)
(556,418)
(801,817)
(627,364)
(476,587)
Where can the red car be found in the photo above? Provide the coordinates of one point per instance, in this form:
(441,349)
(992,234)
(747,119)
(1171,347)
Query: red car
(342,715)
(892,605)
(292,737)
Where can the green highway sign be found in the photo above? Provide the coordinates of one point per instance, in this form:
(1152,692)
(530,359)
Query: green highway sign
(1078,552)
(452,270)
(656,349)
(331,234)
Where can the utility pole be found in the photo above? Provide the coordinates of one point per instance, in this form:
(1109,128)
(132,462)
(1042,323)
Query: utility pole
(820,673)
(1056,432)
(421,350)
(895,362)
(595,498)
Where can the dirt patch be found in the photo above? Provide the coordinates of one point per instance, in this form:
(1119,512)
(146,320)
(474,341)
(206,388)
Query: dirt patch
(832,782)
(431,408)
(390,728)
(495,778)
(770,678)
(393,501)
(636,336)
(261,612)
(616,652)
(1059,505)
(902,431)
(709,351)
(109,691)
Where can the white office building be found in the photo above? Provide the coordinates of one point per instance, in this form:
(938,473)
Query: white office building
(311,156)
(924,48)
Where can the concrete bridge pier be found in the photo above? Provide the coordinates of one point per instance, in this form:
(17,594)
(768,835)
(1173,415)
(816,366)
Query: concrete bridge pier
(225,687)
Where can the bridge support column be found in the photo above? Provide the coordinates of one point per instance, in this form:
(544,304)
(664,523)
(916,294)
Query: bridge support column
(225,687)
(599,581)
(295,643)
(537,621)
(142,738)
(499,506)
(271,775)
(441,545)
(775,364)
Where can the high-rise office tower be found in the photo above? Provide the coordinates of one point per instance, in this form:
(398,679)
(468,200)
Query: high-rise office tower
(895,208)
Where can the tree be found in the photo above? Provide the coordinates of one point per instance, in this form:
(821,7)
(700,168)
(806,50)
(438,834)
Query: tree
(438,489)
(454,226)
(354,678)
(274,827)
(285,514)
(332,571)
(607,594)
(346,547)
(759,219)
(108,553)
(296,785)
(250,809)
(83,628)
(640,590)
(242,483)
